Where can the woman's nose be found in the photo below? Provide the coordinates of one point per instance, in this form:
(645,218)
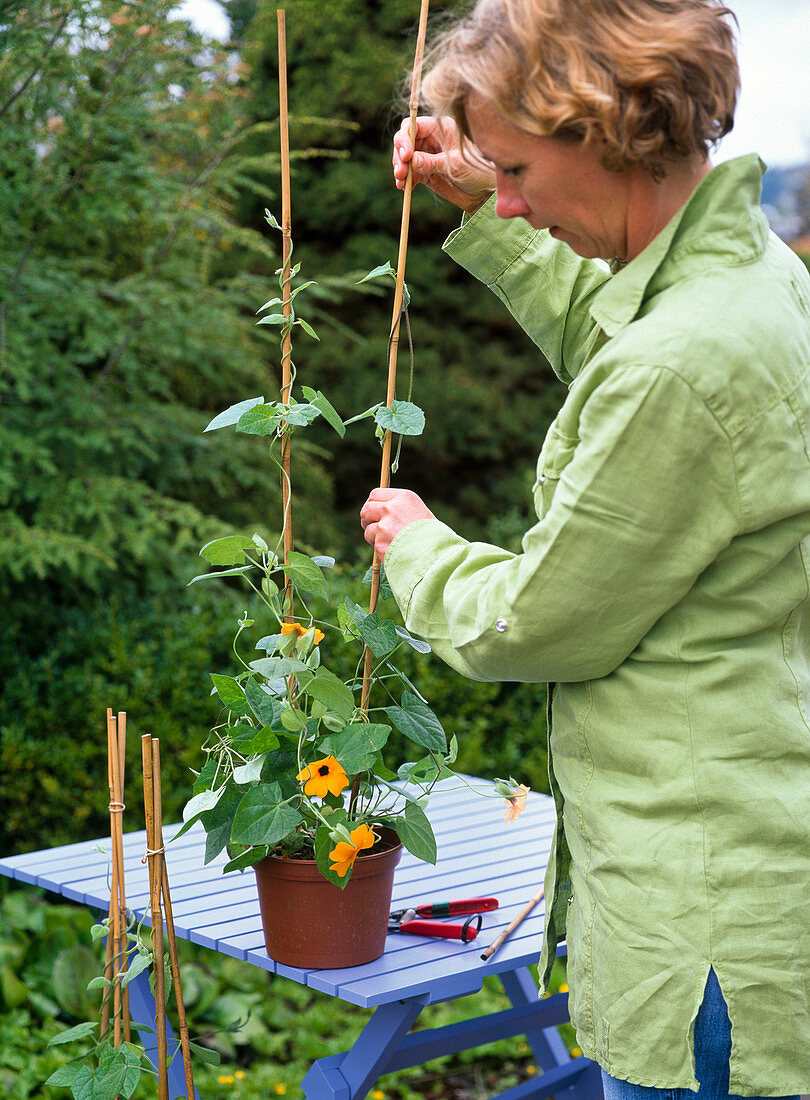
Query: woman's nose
(509,203)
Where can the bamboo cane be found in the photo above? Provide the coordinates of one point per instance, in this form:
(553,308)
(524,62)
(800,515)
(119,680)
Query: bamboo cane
(122,896)
(117,868)
(110,955)
(155,876)
(393,344)
(286,308)
(524,912)
(167,905)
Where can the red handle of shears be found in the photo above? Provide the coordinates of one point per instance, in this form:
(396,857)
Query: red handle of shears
(465,932)
(456,908)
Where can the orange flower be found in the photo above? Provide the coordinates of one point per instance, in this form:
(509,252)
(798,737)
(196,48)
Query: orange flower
(516,803)
(296,628)
(323,777)
(343,855)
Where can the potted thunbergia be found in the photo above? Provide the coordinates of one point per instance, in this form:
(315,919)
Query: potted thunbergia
(294,782)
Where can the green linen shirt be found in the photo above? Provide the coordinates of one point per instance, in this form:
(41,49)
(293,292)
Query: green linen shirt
(663,592)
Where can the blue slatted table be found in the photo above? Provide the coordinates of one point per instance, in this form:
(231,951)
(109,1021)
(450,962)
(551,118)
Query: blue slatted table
(478,855)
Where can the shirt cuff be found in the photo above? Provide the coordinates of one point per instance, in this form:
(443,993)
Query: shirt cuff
(415,544)
(486,245)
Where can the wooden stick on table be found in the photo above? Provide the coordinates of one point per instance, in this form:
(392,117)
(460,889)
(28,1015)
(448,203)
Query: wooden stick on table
(524,912)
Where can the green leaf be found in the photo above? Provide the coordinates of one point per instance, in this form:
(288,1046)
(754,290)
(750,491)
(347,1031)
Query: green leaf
(263,705)
(293,720)
(417,721)
(200,802)
(330,414)
(263,740)
(308,329)
(14,992)
(299,414)
(303,286)
(271,221)
(403,418)
(379,634)
(219,820)
(275,667)
(136,967)
(262,817)
(250,771)
(330,690)
(381,269)
(233,414)
(65,1075)
(305,573)
(245,859)
(324,561)
(416,833)
(415,643)
(230,693)
(260,420)
(272,319)
(424,771)
(80,1031)
(72,970)
(133,1071)
(99,982)
(346,620)
(227,551)
(357,745)
(205,1054)
(222,573)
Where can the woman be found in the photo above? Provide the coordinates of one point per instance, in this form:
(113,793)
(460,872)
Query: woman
(663,591)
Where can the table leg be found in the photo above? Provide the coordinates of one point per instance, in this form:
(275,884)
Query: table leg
(546,1043)
(350,1075)
(142,1009)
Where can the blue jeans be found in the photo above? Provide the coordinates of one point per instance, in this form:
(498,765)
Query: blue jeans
(712,1052)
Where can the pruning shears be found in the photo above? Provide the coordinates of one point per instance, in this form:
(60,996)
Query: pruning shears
(405,920)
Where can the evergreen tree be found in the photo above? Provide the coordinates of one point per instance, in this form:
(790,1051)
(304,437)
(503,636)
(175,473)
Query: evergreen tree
(487,391)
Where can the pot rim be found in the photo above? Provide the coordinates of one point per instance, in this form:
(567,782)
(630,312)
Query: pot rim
(365,863)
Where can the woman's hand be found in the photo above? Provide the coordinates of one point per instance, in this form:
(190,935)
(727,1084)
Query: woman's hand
(466,180)
(386,512)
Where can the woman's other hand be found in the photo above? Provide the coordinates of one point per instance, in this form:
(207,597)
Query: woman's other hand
(386,512)
(466,180)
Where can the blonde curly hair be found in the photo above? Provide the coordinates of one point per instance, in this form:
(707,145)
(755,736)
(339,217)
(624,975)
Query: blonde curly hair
(652,80)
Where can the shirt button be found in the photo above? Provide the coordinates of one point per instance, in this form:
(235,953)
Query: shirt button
(501,626)
(541,480)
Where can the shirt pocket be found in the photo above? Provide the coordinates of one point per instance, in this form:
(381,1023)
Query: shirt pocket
(558,450)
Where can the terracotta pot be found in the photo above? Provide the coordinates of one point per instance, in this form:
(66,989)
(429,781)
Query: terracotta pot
(313,924)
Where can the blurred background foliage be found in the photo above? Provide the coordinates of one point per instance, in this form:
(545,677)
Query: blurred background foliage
(136,160)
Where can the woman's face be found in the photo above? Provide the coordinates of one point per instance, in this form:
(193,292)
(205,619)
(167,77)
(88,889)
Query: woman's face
(554,184)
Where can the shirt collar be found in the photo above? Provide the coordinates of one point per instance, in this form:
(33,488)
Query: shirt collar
(721,222)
